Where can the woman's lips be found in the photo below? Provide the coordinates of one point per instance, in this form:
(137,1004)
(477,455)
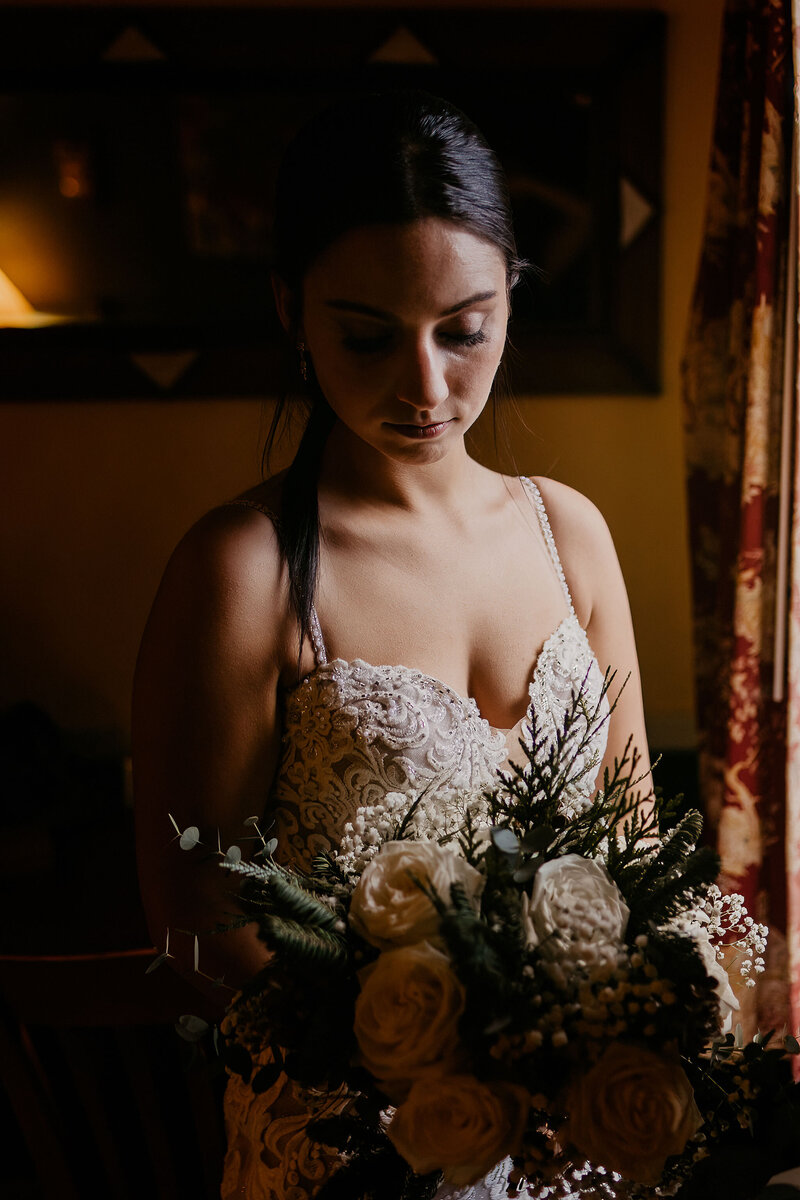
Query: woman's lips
(420,431)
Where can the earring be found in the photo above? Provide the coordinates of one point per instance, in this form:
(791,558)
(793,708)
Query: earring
(301,350)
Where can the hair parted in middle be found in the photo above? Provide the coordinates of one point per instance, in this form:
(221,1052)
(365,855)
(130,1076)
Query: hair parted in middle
(385,158)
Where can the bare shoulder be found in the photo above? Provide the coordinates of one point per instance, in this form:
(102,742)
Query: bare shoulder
(225,585)
(584,543)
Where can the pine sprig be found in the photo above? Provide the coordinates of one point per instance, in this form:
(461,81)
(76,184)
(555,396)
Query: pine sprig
(302,945)
(533,794)
(668,897)
(372,1168)
(291,921)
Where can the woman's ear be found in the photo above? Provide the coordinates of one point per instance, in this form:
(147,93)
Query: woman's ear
(286,304)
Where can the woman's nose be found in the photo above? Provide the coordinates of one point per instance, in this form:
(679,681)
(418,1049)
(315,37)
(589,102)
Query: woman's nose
(422,381)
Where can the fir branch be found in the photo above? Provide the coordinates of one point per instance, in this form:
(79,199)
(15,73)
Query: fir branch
(665,898)
(275,892)
(402,828)
(303,946)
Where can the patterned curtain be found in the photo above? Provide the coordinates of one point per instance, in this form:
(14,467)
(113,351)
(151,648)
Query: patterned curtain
(793,703)
(735,395)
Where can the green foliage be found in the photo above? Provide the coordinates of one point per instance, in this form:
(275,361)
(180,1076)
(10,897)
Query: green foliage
(304,945)
(751,1109)
(295,924)
(534,823)
(373,1170)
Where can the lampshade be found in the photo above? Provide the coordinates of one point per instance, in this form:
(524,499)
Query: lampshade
(12,302)
(16,312)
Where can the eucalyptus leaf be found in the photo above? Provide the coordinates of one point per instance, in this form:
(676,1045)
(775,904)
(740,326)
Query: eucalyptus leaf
(505,840)
(191,1028)
(190,838)
(527,871)
(233,854)
(791,1044)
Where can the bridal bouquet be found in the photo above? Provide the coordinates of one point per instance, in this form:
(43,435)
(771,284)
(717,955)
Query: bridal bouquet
(517,982)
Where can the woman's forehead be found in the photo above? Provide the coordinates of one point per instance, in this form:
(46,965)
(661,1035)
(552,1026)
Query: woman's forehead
(377,265)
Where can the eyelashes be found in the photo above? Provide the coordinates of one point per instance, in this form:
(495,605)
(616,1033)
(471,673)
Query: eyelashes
(382,341)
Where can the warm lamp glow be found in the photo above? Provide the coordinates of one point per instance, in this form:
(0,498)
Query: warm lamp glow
(18,313)
(12,302)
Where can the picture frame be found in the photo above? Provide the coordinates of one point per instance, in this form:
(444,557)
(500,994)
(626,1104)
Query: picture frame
(138,150)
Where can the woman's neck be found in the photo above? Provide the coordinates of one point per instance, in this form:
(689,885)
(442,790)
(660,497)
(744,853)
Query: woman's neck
(353,470)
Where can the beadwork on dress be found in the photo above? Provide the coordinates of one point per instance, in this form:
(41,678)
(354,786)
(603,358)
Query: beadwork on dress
(356,737)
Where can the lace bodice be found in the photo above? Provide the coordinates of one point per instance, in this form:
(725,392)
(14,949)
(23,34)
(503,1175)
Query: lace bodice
(355,733)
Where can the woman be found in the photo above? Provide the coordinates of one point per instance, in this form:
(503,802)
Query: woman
(258,681)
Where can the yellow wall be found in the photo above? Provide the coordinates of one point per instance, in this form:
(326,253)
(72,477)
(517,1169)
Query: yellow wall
(96,495)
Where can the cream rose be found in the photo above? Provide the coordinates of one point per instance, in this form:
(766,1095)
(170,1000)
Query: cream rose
(631,1111)
(406,1016)
(389,909)
(459,1125)
(574,905)
(726,998)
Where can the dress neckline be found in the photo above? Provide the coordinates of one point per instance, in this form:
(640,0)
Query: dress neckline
(468,702)
(334,665)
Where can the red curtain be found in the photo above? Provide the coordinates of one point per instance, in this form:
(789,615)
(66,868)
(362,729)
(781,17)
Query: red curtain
(735,393)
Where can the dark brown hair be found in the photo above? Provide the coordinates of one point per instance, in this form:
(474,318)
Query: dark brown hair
(388,158)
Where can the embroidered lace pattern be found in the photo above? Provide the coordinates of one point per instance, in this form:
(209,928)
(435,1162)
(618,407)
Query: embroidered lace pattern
(354,733)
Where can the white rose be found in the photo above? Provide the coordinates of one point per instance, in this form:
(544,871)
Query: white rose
(726,998)
(575,908)
(388,908)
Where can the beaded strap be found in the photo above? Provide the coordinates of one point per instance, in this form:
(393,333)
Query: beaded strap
(547,533)
(252,504)
(317,640)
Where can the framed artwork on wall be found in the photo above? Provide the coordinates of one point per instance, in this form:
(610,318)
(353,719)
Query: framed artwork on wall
(138,150)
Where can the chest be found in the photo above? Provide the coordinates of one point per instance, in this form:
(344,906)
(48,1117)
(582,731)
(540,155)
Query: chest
(471,611)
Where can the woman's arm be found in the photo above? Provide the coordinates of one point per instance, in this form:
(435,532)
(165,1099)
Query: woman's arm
(205,734)
(601,602)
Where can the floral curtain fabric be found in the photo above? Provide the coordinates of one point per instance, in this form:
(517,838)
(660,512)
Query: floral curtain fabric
(793,703)
(734,394)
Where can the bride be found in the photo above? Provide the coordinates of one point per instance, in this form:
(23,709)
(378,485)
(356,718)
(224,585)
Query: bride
(383,616)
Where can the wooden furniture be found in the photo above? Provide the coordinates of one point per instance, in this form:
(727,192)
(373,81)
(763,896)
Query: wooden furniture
(109,1099)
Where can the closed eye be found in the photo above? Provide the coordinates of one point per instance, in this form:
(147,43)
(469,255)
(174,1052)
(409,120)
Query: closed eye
(381,341)
(466,339)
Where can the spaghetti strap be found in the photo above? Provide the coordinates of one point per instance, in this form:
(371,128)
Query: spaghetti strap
(262,508)
(547,533)
(317,640)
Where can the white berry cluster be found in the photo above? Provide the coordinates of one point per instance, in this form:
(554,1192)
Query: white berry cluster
(723,916)
(444,820)
(371,826)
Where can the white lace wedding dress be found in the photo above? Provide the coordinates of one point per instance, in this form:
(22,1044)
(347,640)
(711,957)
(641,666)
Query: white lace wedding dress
(354,732)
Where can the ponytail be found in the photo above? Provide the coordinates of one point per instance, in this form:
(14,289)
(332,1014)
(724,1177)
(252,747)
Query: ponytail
(298,528)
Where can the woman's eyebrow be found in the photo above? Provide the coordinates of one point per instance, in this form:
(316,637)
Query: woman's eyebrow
(367,310)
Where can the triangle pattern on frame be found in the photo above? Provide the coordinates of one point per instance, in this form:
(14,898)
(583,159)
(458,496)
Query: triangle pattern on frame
(132,46)
(403,47)
(164,369)
(635,212)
